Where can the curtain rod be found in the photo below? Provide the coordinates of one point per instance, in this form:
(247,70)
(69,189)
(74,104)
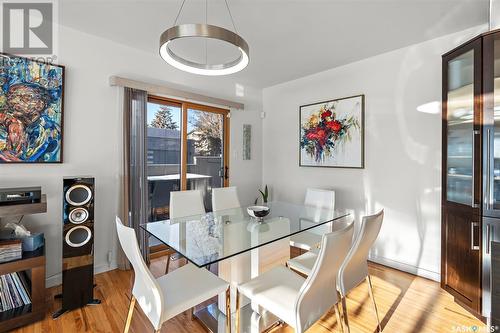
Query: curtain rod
(172,92)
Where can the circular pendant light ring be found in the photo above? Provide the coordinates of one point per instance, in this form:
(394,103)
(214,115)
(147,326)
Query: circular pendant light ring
(203,31)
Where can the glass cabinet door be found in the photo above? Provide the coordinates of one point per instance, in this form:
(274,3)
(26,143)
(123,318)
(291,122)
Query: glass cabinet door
(460,129)
(495,165)
(492,123)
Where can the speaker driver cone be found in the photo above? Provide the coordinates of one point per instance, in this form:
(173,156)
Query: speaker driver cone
(78,195)
(78,215)
(78,236)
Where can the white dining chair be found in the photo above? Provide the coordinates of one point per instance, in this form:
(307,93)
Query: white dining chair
(166,297)
(296,300)
(225,198)
(310,239)
(182,204)
(304,262)
(354,269)
(186,203)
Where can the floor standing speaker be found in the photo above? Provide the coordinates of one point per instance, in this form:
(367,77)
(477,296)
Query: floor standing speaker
(77,244)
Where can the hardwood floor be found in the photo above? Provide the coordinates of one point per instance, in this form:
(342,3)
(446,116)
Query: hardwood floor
(406,304)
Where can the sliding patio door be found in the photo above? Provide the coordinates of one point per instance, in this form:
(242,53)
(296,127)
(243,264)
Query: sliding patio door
(207,166)
(187,148)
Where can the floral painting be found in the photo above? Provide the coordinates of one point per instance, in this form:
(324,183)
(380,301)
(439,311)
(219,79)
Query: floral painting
(332,133)
(31,111)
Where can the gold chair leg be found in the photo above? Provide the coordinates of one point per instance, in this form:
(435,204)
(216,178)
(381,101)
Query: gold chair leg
(228,309)
(344,311)
(337,314)
(129,315)
(238,299)
(277,324)
(370,290)
(168,264)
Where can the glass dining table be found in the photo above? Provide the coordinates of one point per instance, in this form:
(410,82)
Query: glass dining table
(242,247)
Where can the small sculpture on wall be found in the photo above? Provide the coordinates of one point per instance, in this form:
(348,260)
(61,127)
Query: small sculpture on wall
(247,142)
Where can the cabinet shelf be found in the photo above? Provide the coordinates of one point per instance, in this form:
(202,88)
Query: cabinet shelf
(35,263)
(457,175)
(24,209)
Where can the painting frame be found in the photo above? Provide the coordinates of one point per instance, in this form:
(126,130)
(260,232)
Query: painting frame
(362,134)
(60,160)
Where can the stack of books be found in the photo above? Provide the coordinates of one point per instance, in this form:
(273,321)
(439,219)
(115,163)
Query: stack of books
(10,250)
(13,291)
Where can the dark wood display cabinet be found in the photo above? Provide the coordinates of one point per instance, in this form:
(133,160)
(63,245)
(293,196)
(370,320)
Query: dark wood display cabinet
(470,169)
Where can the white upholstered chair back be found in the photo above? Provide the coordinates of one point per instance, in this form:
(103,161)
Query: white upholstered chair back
(320,198)
(146,289)
(318,293)
(354,270)
(186,203)
(225,198)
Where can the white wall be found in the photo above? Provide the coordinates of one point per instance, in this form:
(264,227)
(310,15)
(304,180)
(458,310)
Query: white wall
(92,136)
(402,148)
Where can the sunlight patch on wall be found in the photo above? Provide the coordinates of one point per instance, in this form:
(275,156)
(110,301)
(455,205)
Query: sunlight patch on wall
(433,107)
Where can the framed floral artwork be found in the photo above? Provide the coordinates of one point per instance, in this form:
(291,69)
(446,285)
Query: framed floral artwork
(31,110)
(332,133)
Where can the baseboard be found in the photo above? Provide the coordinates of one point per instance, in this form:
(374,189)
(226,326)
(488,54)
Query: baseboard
(56,280)
(406,268)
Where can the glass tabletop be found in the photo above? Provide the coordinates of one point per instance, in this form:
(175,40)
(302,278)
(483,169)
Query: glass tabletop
(209,238)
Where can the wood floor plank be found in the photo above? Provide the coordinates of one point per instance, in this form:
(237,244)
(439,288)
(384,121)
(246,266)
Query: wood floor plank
(406,304)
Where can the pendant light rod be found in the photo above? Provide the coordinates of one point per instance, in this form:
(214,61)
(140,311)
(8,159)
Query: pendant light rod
(490,16)
(179,12)
(206,40)
(231,16)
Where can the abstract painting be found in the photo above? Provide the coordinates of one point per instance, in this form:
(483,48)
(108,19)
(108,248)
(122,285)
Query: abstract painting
(31,110)
(332,133)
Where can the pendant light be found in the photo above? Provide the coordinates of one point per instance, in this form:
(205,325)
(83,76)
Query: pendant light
(206,31)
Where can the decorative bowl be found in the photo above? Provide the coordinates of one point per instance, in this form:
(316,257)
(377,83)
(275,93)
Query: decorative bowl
(258,211)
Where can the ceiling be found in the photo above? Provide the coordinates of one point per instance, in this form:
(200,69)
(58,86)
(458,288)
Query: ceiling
(288,38)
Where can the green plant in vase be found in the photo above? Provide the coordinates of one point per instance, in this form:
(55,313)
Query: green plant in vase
(264,194)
